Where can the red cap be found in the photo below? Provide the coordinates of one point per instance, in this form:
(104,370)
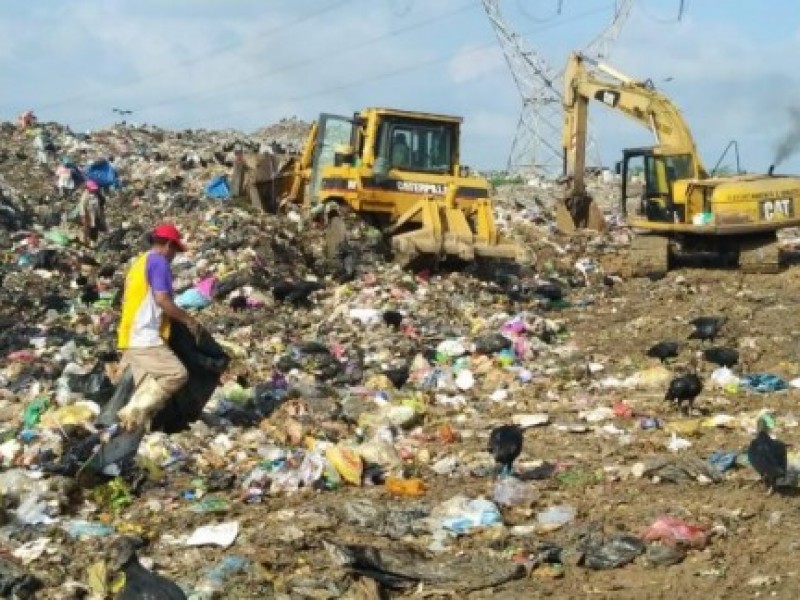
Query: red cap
(168,231)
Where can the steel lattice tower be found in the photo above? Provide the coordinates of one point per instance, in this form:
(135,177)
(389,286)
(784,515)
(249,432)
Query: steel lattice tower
(537,142)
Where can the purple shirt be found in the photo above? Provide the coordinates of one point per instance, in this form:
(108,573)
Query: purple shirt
(159,274)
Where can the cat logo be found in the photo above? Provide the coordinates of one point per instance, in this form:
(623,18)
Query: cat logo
(609,97)
(416,187)
(782,208)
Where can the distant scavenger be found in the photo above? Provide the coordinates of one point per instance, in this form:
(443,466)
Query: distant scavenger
(91,212)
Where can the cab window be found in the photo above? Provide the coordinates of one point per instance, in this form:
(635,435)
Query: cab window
(416,146)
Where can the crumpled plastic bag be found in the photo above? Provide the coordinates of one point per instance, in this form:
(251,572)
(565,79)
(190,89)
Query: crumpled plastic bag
(651,378)
(366,316)
(80,413)
(723,461)
(311,469)
(160,449)
(763,383)
(673,531)
(192,298)
(379,452)
(615,552)
(725,379)
(462,515)
(451,349)
(347,463)
(509,491)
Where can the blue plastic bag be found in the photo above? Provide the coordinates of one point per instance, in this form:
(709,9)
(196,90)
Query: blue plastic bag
(192,298)
(723,461)
(763,383)
(218,188)
(103,173)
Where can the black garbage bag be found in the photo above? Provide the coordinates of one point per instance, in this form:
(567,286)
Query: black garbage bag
(616,552)
(16,583)
(122,393)
(491,343)
(205,361)
(267,399)
(94,385)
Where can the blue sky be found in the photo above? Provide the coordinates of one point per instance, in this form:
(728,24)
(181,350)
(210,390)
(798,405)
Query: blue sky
(248,63)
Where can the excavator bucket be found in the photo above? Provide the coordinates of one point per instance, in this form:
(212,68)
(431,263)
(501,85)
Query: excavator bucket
(579,212)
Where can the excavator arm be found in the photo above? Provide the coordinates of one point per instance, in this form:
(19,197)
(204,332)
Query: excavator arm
(585,81)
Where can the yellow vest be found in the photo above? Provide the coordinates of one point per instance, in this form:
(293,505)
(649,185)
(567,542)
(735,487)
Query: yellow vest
(143,323)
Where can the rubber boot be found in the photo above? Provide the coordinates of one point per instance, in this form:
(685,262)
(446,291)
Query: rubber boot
(146,401)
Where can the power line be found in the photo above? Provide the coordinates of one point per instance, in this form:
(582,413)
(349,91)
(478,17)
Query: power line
(302,63)
(199,58)
(529,15)
(401,70)
(663,20)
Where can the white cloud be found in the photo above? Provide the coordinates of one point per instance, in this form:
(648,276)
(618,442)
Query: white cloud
(486,123)
(473,63)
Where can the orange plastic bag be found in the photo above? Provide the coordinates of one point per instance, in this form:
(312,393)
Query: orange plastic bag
(447,434)
(405,487)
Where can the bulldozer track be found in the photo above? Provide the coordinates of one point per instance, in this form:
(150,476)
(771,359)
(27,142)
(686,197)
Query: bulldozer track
(649,256)
(760,256)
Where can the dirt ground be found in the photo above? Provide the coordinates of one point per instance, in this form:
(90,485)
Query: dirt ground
(751,549)
(754,556)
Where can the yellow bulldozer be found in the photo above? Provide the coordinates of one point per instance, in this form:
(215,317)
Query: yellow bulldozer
(401,169)
(681,209)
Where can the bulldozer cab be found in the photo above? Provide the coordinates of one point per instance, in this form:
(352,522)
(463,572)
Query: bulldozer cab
(392,143)
(401,170)
(650,177)
(417,146)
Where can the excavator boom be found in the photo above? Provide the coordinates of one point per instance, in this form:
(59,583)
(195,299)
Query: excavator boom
(588,81)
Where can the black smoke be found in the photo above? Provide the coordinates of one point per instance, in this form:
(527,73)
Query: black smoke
(789,144)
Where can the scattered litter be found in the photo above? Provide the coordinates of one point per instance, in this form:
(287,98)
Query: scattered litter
(223,534)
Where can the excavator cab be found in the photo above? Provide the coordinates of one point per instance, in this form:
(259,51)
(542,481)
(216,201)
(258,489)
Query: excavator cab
(650,177)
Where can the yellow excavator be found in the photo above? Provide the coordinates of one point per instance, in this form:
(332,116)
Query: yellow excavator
(680,208)
(400,168)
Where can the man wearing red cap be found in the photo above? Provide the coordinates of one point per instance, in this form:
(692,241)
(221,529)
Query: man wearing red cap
(147,310)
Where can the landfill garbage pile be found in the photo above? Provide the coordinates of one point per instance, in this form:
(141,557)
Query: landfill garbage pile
(459,433)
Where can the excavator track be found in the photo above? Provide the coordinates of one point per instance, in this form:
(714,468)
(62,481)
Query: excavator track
(760,256)
(649,256)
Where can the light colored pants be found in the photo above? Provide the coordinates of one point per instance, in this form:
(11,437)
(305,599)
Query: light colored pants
(89,210)
(160,363)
